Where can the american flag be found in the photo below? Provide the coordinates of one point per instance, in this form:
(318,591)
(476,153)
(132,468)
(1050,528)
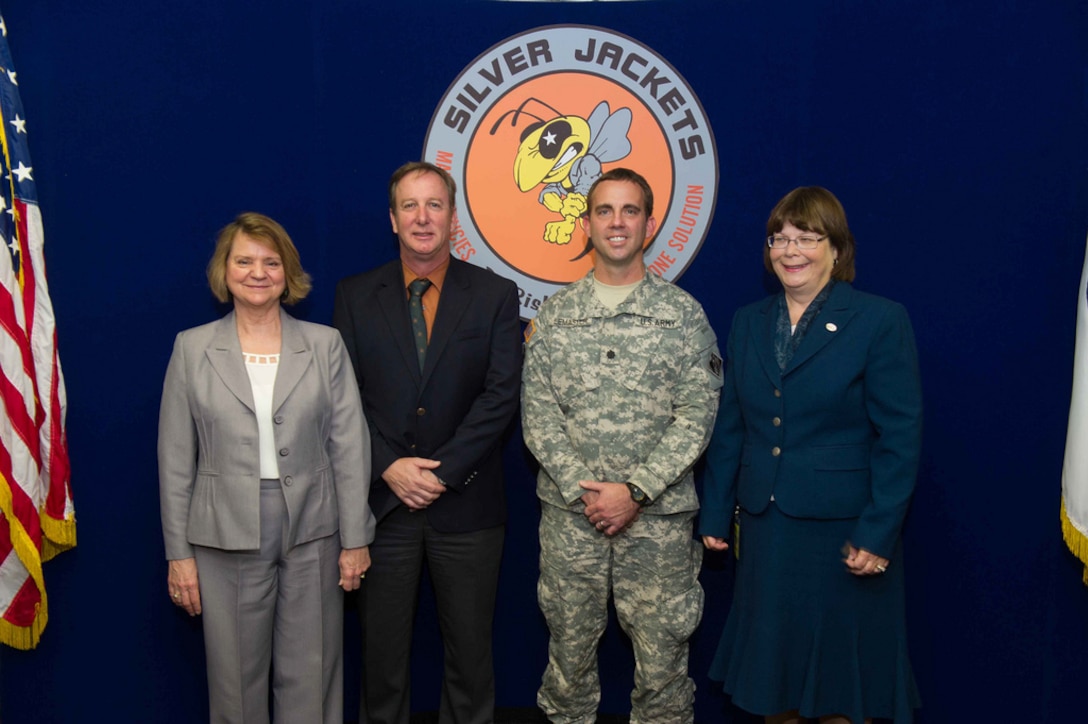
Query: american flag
(37,518)
(1074,510)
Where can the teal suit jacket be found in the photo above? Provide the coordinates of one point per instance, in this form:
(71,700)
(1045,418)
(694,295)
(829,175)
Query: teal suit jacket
(837,434)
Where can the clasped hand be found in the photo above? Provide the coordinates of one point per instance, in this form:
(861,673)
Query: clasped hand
(413,481)
(609,506)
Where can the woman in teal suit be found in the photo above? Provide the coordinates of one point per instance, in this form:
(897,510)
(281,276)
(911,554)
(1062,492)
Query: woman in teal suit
(811,470)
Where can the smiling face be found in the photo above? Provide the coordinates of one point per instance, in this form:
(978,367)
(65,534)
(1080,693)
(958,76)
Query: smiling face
(803,272)
(254,273)
(618,226)
(422,218)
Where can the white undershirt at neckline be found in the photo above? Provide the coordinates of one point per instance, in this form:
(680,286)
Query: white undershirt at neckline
(261,369)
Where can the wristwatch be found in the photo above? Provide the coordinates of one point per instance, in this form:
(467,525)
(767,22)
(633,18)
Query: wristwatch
(639,495)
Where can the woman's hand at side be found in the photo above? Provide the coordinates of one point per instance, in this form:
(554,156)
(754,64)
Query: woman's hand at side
(183,585)
(354,563)
(861,562)
(715,544)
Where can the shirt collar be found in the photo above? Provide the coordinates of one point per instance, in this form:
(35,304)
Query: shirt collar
(437,277)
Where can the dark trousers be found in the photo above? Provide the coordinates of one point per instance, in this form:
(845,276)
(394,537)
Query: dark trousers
(464,569)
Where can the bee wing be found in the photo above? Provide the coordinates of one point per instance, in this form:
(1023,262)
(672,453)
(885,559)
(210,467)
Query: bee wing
(610,142)
(597,118)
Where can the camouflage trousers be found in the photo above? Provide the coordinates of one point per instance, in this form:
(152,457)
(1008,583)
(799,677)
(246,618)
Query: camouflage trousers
(652,571)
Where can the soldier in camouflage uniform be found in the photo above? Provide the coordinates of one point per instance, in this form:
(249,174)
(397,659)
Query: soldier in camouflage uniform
(620,389)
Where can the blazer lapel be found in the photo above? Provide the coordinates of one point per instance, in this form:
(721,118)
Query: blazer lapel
(225,356)
(830,322)
(451,307)
(295,357)
(763,330)
(392,298)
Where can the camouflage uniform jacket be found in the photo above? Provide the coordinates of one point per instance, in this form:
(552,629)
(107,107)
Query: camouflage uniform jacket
(623,395)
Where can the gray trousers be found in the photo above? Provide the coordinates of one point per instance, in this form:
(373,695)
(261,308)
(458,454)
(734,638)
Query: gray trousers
(652,571)
(273,610)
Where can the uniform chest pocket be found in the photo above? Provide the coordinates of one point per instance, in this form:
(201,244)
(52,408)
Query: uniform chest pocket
(646,361)
(626,368)
(575,385)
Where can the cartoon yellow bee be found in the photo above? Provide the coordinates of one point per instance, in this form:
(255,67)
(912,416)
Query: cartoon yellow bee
(566,154)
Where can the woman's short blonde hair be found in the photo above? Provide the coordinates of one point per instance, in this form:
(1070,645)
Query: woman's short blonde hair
(267,231)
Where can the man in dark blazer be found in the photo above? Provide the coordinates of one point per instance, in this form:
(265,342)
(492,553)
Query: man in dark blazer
(438,364)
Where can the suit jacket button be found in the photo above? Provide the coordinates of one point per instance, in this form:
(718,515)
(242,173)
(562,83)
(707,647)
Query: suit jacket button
(278,419)
(284,452)
(288,480)
(776,451)
(420,412)
(778,393)
(777,421)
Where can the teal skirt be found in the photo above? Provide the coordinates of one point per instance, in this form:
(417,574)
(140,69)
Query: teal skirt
(805,634)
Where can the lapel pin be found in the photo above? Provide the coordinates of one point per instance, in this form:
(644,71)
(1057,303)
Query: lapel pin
(831,327)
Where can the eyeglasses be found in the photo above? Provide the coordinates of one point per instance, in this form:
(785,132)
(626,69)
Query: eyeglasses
(806,242)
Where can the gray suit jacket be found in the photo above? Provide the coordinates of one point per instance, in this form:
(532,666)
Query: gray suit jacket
(209,467)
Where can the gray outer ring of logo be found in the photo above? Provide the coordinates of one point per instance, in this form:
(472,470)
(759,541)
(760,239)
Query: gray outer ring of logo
(676,223)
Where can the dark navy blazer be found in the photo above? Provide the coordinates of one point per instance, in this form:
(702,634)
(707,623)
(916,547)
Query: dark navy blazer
(457,409)
(836,435)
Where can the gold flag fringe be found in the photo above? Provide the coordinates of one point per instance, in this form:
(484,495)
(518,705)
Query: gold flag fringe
(1076,540)
(25,638)
(30,556)
(57,535)
(21,637)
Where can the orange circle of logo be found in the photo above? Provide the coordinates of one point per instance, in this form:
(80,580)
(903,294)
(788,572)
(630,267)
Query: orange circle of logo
(506,176)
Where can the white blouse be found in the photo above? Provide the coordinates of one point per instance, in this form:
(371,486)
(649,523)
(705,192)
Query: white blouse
(262,379)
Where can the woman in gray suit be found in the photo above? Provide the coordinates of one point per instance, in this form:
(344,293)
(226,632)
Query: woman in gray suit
(264,473)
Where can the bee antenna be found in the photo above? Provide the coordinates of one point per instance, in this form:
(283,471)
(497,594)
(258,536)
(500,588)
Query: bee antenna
(557,113)
(517,113)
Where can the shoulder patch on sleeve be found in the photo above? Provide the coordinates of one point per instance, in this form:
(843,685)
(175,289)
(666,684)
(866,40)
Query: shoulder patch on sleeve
(715,365)
(530,329)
